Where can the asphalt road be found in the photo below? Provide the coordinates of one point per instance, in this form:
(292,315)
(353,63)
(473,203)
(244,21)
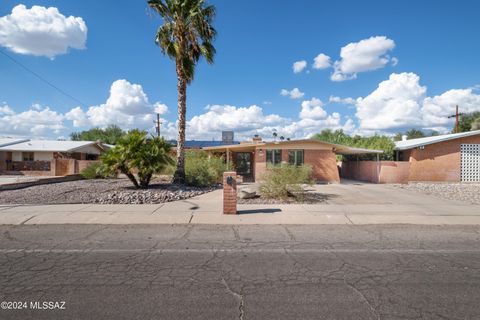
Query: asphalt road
(241,272)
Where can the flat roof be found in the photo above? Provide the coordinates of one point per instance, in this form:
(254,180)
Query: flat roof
(47,145)
(413,143)
(249,146)
(9,141)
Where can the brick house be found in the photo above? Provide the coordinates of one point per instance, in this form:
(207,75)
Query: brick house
(250,159)
(450,157)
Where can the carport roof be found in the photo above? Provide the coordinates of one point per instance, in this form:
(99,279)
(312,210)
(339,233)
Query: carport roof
(413,143)
(250,146)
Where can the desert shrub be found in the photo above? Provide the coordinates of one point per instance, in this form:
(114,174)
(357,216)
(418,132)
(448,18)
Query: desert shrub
(202,169)
(283,181)
(94,171)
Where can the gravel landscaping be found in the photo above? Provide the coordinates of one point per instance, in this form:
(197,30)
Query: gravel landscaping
(466,192)
(104,191)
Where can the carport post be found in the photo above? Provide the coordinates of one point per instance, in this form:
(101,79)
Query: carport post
(378,168)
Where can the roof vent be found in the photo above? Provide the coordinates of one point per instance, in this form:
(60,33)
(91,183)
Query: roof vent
(404,137)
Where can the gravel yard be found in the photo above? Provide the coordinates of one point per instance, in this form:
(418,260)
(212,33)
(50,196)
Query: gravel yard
(105,191)
(469,193)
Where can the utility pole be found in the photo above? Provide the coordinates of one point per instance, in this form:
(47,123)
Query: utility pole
(157,125)
(456,115)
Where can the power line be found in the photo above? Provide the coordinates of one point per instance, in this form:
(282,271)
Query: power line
(41,78)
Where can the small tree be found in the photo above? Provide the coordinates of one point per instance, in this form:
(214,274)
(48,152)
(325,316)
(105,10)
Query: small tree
(109,135)
(135,152)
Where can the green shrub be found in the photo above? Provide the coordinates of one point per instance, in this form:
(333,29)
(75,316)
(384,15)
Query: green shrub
(138,157)
(93,171)
(283,181)
(202,169)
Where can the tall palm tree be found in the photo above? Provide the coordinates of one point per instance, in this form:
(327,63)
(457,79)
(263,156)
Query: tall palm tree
(186,35)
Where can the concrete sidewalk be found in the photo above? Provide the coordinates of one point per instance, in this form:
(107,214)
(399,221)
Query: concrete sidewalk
(207,208)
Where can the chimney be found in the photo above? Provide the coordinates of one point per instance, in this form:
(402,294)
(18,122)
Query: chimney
(256,139)
(404,137)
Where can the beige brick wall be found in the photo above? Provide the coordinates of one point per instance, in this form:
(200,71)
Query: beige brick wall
(323,162)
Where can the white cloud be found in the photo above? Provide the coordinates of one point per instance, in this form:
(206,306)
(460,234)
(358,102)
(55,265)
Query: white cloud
(41,31)
(295,93)
(322,61)
(395,103)
(127,106)
(335,99)
(394,61)
(312,109)
(6,110)
(401,102)
(227,117)
(436,109)
(365,55)
(298,66)
(37,122)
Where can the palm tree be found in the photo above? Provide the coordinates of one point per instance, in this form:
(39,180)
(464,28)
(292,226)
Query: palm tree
(186,35)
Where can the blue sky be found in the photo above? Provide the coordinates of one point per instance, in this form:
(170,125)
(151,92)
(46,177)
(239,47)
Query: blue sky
(416,61)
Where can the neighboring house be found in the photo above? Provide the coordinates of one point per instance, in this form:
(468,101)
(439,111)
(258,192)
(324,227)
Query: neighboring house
(450,157)
(3,155)
(250,159)
(47,157)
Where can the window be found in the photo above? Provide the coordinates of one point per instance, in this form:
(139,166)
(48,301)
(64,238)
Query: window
(27,156)
(295,157)
(274,156)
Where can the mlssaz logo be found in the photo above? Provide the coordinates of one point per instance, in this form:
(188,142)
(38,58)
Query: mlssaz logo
(47,305)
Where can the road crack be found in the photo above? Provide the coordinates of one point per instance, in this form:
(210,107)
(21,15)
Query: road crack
(238,296)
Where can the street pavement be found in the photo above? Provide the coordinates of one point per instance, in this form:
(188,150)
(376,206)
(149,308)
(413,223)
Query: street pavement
(195,271)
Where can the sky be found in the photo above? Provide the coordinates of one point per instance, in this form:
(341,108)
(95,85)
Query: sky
(294,67)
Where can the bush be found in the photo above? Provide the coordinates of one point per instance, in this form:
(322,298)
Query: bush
(136,153)
(93,171)
(283,181)
(202,169)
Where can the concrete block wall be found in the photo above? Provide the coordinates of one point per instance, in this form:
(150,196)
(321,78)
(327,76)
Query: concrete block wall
(376,172)
(438,161)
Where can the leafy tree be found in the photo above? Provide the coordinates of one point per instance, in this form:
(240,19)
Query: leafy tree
(375,142)
(467,121)
(186,35)
(476,124)
(337,137)
(134,152)
(414,134)
(109,135)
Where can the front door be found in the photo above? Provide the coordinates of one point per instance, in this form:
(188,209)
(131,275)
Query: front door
(243,163)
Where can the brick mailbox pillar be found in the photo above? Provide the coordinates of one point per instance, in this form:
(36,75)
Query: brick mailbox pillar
(230,192)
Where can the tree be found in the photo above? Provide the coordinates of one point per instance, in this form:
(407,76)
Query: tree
(134,152)
(186,35)
(467,120)
(375,142)
(109,135)
(337,137)
(476,125)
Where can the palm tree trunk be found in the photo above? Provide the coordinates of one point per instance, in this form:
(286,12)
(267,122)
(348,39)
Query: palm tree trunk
(179,176)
